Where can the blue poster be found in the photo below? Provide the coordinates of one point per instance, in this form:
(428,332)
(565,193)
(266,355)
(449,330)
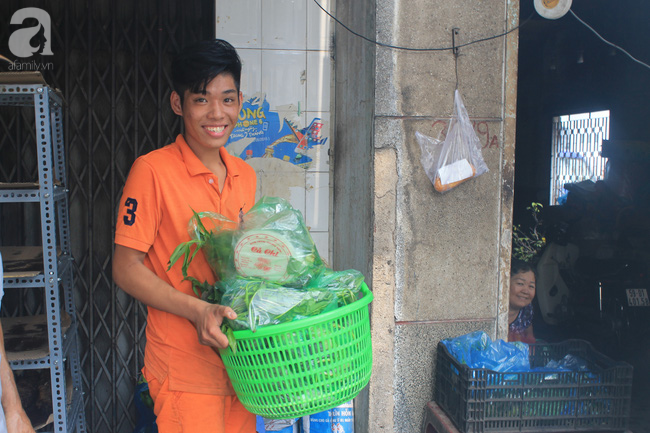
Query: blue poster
(337,420)
(269,136)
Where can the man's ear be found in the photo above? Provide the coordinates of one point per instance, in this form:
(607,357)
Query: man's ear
(176,103)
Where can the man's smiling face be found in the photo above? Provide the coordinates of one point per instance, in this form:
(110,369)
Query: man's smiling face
(209,118)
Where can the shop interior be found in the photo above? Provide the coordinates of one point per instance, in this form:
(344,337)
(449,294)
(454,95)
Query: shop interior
(574,89)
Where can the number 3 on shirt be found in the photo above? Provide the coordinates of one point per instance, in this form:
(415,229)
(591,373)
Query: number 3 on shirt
(132,206)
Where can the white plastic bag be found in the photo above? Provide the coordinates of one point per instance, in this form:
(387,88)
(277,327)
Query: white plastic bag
(271,425)
(456,159)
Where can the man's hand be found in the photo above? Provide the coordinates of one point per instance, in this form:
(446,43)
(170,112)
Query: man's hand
(208,325)
(130,273)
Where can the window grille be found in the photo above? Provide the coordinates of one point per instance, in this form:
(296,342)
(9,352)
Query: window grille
(575,156)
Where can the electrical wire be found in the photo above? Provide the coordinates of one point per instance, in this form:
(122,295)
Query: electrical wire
(373,41)
(395,47)
(606,41)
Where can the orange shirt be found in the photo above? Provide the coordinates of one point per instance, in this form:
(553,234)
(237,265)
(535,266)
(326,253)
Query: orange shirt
(162,189)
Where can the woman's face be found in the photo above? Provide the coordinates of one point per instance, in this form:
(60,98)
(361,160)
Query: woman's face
(522,289)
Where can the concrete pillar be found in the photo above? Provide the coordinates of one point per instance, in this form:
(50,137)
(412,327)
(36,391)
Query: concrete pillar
(437,263)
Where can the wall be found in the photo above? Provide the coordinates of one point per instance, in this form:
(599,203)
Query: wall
(353,180)
(438,262)
(286,81)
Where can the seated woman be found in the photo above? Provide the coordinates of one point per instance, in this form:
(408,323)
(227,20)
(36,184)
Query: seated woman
(522,292)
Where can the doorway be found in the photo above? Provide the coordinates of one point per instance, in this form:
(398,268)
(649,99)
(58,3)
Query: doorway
(565,68)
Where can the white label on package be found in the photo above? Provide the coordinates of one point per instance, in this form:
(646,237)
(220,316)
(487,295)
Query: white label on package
(459,170)
(263,254)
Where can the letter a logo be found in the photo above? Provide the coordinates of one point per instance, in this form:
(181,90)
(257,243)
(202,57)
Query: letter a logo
(26,42)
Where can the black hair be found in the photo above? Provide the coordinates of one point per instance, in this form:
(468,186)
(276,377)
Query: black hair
(518,265)
(197,64)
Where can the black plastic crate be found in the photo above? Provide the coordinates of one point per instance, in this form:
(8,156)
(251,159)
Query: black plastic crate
(480,400)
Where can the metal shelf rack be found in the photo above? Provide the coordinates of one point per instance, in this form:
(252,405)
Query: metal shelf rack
(49,265)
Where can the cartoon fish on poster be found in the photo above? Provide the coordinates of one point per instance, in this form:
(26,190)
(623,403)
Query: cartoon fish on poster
(261,133)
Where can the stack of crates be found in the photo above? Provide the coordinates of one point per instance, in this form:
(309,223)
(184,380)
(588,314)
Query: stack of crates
(479,400)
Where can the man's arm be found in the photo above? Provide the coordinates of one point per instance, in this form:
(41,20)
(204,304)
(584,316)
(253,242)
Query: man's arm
(132,276)
(17,420)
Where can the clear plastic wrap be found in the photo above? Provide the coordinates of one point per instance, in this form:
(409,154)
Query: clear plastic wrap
(477,350)
(268,268)
(259,302)
(346,285)
(456,159)
(275,245)
(270,242)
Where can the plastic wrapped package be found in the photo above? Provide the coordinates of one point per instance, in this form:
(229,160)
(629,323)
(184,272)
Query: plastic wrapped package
(477,350)
(259,302)
(346,285)
(276,245)
(458,158)
(267,266)
(270,241)
(280,425)
(216,236)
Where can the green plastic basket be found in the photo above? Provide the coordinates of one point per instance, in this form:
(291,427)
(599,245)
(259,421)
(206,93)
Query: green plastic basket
(305,366)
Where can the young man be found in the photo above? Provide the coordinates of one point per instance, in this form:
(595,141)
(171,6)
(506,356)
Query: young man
(187,379)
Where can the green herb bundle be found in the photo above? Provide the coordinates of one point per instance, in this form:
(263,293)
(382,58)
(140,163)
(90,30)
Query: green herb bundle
(306,287)
(216,243)
(260,303)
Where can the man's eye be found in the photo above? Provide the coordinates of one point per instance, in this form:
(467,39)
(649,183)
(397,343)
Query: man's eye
(200,100)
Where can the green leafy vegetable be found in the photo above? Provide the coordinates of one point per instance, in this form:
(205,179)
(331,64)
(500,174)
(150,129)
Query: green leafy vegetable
(232,342)
(307,287)
(258,302)
(217,245)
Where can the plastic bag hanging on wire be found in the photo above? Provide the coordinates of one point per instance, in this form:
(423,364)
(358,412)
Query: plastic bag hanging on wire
(456,159)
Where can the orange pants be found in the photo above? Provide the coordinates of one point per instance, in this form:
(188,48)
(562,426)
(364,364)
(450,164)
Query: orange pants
(186,412)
